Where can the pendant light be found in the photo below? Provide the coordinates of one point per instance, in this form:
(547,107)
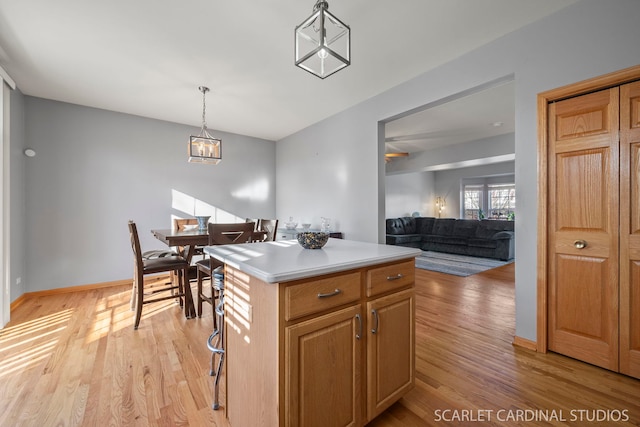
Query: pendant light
(204,148)
(322,42)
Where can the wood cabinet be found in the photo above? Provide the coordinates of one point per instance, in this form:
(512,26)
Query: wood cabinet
(334,350)
(390,335)
(390,350)
(323,373)
(323,355)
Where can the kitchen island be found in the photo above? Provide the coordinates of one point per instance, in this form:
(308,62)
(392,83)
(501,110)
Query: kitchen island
(316,337)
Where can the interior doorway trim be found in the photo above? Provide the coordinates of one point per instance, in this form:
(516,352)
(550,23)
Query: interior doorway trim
(598,83)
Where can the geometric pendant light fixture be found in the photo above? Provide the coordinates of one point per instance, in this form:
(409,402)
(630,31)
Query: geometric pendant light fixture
(204,148)
(322,42)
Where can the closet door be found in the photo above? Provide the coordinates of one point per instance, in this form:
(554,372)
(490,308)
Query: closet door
(583,227)
(630,229)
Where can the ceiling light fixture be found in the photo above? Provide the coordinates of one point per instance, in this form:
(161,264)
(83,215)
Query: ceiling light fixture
(322,42)
(204,148)
(389,156)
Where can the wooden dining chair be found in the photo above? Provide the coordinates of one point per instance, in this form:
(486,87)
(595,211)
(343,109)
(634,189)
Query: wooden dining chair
(181,224)
(159,253)
(142,267)
(269,227)
(220,234)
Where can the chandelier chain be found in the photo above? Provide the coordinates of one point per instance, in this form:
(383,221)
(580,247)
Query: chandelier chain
(204,108)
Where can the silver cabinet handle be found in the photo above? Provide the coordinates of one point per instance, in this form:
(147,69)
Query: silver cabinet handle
(375,318)
(396,277)
(331,294)
(359,333)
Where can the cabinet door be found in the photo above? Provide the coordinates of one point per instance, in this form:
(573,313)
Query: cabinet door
(323,382)
(390,350)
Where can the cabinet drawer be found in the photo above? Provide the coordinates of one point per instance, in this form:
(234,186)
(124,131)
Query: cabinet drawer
(390,277)
(320,295)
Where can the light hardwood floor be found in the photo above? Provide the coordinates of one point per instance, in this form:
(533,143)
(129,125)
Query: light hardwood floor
(74,359)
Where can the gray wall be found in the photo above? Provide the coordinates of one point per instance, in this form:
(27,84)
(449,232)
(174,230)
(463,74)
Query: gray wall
(448,183)
(17,196)
(408,193)
(336,167)
(96,169)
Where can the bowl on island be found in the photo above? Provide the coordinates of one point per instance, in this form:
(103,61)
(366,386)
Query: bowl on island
(313,239)
(305,226)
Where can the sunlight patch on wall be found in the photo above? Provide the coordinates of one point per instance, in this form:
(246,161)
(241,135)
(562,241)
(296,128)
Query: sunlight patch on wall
(190,206)
(182,202)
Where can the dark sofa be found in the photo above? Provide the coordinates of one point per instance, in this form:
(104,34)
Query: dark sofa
(482,238)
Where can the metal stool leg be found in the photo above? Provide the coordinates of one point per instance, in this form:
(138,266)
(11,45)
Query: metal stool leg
(215,343)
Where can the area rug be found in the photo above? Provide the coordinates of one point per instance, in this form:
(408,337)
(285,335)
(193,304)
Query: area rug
(458,265)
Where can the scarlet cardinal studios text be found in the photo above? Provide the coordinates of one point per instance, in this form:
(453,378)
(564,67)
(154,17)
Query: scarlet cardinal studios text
(532,415)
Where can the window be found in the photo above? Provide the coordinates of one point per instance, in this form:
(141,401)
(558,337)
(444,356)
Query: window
(473,201)
(489,201)
(502,201)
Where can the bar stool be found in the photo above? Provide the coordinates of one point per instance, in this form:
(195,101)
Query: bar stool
(219,234)
(215,343)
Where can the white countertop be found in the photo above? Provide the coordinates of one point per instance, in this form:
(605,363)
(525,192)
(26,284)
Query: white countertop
(286,260)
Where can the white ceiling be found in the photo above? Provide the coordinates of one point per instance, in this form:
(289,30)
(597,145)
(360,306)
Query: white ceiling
(148,57)
(483,114)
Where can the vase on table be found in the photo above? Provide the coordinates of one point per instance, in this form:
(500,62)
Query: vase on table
(202,222)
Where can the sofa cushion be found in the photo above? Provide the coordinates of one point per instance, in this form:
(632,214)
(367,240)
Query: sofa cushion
(424,224)
(409,224)
(404,239)
(502,235)
(465,227)
(483,243)
(443,226)
(448,240)
(395,226)
(487,228)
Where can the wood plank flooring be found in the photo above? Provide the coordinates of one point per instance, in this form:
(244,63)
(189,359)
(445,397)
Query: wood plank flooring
(75,360)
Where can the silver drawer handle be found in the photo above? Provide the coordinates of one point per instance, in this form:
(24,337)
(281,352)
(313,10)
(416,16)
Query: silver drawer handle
(332,294)
(374,330)
(396,277)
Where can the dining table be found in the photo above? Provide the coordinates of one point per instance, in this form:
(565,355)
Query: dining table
(189,239)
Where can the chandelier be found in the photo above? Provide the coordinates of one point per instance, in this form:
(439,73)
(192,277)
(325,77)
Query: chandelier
(322,42)
(204,148)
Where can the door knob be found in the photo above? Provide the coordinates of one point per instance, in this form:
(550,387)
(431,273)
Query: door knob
(580,244)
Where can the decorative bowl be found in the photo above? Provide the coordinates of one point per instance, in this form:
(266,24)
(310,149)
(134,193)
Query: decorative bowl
(290,225)
(305,226)
(312,239)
